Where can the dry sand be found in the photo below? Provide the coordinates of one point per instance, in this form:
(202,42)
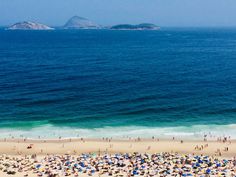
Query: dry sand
(78,146)
(67,146)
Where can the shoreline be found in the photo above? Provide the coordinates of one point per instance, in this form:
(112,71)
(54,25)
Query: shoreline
(194,132)
(130,139)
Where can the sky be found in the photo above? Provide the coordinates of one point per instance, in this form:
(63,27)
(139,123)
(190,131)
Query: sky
(177,13)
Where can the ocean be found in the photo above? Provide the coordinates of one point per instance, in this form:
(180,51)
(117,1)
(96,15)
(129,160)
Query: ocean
(108,83)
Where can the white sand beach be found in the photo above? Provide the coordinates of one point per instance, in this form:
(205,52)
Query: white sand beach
(43,149)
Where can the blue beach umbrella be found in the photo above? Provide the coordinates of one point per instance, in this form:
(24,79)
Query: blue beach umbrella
(82,164)
(135,172)
(208,171)
(38,166)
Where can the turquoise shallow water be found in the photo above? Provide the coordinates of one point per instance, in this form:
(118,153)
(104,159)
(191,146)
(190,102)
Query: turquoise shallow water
(91,82)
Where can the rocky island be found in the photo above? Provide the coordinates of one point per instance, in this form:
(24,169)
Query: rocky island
(27,25)
(142,26)
(77,22)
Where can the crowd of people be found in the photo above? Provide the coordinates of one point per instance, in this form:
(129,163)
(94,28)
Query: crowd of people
(135,164)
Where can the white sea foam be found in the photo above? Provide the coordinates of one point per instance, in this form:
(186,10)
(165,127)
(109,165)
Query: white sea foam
(190,132)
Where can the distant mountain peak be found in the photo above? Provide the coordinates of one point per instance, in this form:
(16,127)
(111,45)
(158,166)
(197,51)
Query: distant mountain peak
(77,22)
(28,25)
(78,17)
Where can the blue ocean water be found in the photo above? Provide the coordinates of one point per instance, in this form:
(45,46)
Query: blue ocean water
(99,82)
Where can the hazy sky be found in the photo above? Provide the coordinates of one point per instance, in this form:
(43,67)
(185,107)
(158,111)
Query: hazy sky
(108,12)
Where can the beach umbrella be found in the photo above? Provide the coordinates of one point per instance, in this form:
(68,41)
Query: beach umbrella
(135,172)
(38,166)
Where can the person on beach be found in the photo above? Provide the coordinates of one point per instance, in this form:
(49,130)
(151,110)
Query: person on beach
(133,164)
